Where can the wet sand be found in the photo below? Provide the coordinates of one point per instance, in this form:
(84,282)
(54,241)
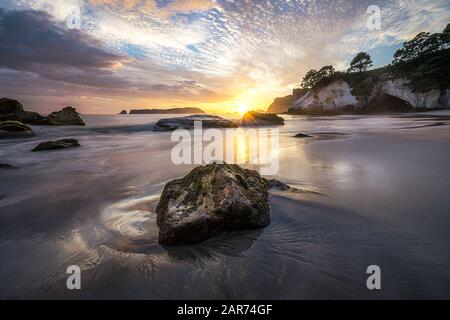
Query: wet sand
(383,180)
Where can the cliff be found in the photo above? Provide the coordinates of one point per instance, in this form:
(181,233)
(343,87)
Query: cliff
(281,105)
(372,91)
(392,95)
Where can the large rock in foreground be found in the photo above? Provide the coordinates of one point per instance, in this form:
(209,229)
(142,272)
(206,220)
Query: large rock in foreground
(253,118)
(14,129)
(209,200)
(66,117)
(208,121)
(55,145)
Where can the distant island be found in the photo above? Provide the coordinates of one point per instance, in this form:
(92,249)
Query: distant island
(168,111)
(418,79)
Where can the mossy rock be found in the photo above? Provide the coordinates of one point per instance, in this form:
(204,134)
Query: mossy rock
(55,145)
(15,129)
(209,200)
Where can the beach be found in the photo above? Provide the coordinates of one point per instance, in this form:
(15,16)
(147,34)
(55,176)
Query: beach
(379,197)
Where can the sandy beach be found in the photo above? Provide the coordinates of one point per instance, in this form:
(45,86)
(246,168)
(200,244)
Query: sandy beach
(381,197)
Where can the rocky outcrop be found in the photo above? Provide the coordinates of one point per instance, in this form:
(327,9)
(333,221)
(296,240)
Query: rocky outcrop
(68,116)
(336,95)
(55,145)
(15,129)
(387,95)
(302,135)
(8,106)
(207,121)
(209,200)
(418,100)
(12,110)
(282,105)
(123,112)
(7,166)
(253,118)
(168,111)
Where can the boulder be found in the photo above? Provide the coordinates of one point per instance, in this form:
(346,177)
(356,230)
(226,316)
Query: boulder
(7,166)
(208,121)
(123,112)
(253,118)
(302,135)
(209,200)
(275,184)
(12,110)
(66,117)
(54,145)
(14,129)
(8,106)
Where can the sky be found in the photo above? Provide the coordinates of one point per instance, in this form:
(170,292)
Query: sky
(103,56)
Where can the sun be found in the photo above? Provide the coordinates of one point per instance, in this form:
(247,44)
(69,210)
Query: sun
(243,108)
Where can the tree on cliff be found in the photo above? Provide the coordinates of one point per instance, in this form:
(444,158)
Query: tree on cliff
(425,61)
(423,44)
(314,78)
(362,62)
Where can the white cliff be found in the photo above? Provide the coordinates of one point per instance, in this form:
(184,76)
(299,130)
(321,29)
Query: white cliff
(338,95)
(334,96)
(419,100)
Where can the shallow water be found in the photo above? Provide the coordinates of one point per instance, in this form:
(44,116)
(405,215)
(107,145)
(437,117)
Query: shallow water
(384,200)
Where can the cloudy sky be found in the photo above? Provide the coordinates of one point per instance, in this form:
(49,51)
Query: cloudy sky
(103,56)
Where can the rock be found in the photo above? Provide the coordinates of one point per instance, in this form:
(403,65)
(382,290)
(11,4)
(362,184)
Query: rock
(384,103)
(7,166)
(280,186)
(66,117)
(54,145)
(282,105)
(10,106)
(335,96)
(209,200)
(14,129)
(253,118)
(123,112)
(168,111)
(418,100)
(208,121)
(302,135)
(12,110)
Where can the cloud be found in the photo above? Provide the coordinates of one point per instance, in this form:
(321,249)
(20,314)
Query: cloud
(31,41)
(208,51)
(168,9)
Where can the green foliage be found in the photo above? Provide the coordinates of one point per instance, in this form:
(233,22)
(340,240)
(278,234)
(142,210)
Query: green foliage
(425,61)
(362,62)
(313,78)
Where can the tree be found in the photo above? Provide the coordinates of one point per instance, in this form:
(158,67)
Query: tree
(424,61)
(314,78)
(309,79)
(445,37)
(424,43)
(362,62)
